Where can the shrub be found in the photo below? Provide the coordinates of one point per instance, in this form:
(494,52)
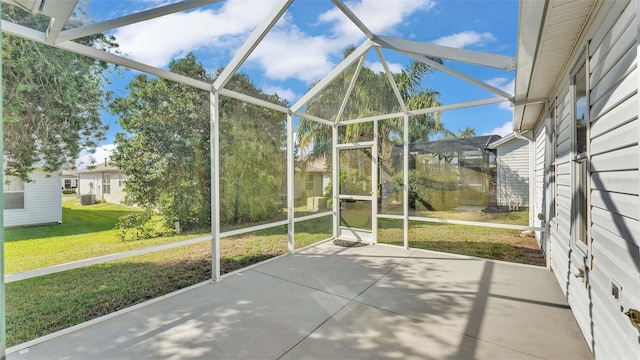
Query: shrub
(141,225)
(68,191)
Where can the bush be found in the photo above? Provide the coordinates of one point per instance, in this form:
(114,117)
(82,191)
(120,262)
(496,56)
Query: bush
(141,225)
(68,191)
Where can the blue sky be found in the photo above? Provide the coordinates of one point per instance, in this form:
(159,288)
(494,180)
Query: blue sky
(310,39)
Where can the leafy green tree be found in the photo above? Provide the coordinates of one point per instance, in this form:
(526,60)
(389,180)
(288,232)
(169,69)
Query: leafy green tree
(166,149)
(253,160)
(52,99)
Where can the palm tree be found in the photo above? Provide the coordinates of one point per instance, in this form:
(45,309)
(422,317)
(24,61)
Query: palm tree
(371,96)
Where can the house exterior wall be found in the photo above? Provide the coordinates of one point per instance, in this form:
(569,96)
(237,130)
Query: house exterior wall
(612,254)
(72,180)
(117,189)
(94,183)
(512,159)
(301,184)
(42,202)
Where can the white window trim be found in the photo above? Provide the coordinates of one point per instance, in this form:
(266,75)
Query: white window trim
(583,247)
(24,205)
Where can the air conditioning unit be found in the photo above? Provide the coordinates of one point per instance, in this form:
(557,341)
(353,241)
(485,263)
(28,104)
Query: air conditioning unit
(87,199)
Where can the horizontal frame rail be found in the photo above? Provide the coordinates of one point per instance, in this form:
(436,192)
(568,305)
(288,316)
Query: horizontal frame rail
(314,216)
(148,250)
(476,223)
(99,260)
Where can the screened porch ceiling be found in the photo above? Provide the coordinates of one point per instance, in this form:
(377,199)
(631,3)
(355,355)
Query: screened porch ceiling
(71,20)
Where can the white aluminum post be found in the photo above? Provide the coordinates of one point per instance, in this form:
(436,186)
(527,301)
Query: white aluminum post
(77,48)
(352,85)
(290,185)
(103,26)
(459,75)
(214,141)
(374,184)
(252,42)
(59,13)
(354,19)
(335,180)
(391,80)
(405,187)
(3,328)
(445,52)
(332,75)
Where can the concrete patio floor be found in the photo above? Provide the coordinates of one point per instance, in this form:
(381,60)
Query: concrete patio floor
(329,302)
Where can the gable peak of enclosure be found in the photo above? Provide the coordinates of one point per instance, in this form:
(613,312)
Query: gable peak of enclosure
(352,29)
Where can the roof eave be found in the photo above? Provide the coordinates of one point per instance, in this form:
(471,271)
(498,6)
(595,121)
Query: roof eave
(530,20)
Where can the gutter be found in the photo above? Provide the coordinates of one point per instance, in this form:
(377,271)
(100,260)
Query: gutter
(532,169)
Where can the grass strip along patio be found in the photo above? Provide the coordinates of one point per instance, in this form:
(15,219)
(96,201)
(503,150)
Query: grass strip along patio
(42,305)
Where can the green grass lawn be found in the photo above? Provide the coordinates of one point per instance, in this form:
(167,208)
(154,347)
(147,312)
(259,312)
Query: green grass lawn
(484,242)
(42,305)
(39,306)
(85,232)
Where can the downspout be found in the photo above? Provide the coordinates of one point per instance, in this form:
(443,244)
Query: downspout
(532,165)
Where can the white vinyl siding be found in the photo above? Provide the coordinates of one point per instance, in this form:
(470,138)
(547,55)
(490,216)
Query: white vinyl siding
(614,159)
(512,159)
(42,202)
(97,182)
(309,182)
(116,191)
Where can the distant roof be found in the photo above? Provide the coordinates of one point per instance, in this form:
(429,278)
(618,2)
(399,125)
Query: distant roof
(69,172)
(100,168)
(315,165)
(451,145)
(504,140)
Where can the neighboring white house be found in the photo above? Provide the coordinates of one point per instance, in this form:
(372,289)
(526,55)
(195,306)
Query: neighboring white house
(512,171)
(577,94)
(69,179)
(104,181)
(32,203)
(311,181)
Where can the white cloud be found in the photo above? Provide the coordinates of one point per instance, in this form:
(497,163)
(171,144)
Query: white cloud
(504,130)
(287,93)
(377,66)
(465,39)
(87,159)
(156,42)
(286,52)
(505,85)
(379,16)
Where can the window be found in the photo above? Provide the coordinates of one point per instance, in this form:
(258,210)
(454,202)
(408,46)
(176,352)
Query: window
(581,111)
(67,183)
(309,182)
(106,184)
(13,189)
